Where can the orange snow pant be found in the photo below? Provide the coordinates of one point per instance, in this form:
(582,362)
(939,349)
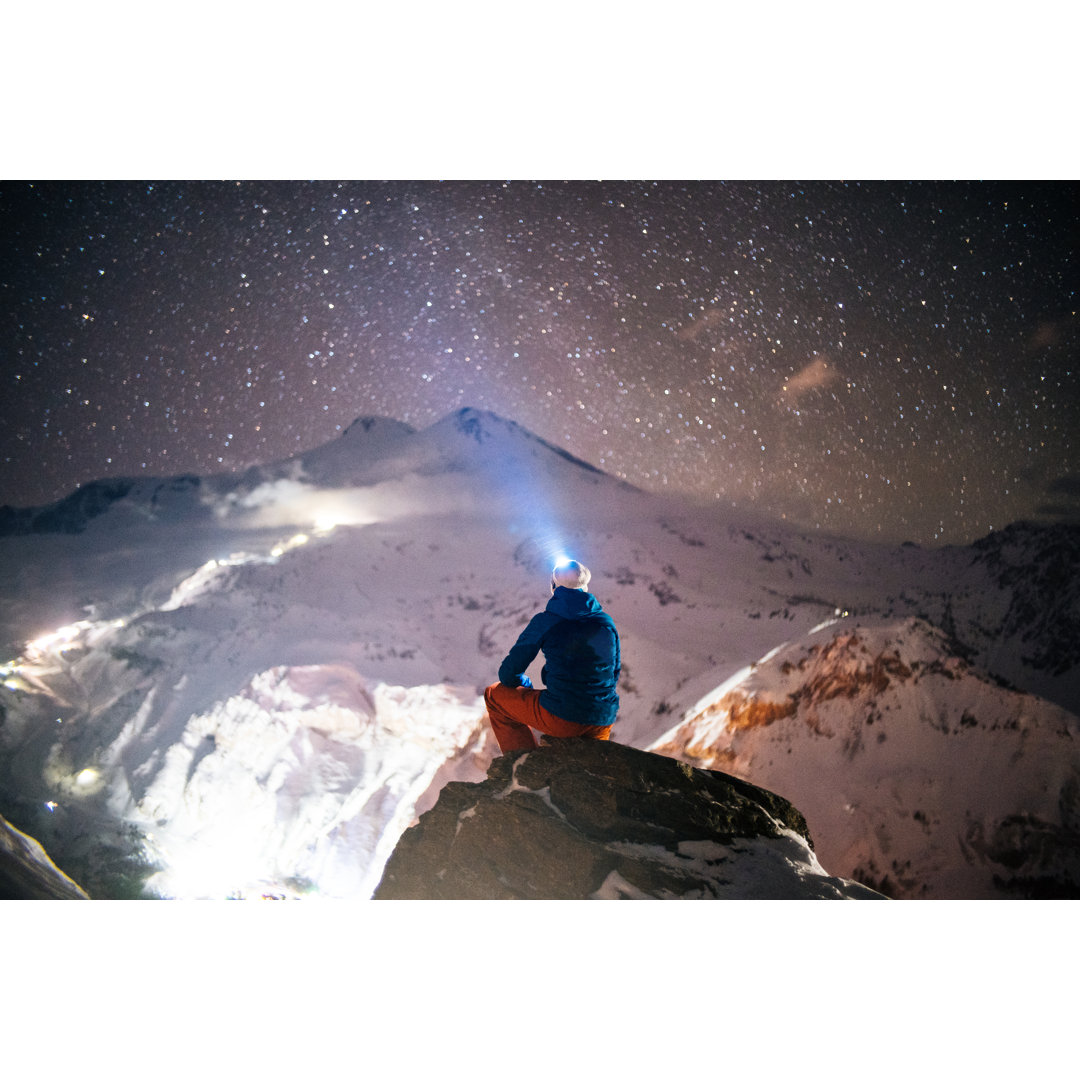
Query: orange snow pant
(513,710)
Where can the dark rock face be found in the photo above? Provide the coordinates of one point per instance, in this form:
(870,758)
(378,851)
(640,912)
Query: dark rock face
(27,873)
(72,513)
(580,819)
(149,499)
(1038,569)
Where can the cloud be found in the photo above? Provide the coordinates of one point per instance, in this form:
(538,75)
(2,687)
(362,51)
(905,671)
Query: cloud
(289,502)
(1065,485)
(819,372)
(692,330)
(1049,332)
(1065,494)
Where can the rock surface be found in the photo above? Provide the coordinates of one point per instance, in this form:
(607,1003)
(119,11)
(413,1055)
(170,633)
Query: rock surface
(578,820)
(27,872)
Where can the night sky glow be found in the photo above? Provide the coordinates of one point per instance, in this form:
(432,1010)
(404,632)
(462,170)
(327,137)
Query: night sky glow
(889,360)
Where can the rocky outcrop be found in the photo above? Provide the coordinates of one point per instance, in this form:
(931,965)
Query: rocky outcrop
(577,820)
(27,873)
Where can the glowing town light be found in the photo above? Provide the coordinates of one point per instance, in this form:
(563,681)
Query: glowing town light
(192,586)
(61,639)
(326,524)
(58,638)
(294,541)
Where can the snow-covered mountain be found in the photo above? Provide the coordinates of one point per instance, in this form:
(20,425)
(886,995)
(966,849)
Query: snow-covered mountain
(919,774)
(251,684)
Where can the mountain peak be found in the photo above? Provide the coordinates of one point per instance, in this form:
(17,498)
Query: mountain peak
(377,426)
(478,424)
(482,427)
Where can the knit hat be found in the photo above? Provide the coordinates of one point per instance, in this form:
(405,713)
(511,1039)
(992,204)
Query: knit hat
(571,575)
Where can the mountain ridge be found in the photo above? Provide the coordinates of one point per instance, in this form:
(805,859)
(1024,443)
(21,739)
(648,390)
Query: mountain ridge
(371,450)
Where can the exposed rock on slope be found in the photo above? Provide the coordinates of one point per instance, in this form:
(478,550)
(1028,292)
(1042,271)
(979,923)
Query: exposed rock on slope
(27,873)
(580,820)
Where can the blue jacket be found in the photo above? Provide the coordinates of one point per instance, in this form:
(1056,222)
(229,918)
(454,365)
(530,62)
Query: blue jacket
(581,658)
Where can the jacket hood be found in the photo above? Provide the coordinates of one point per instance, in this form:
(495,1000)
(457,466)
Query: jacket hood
(573,604)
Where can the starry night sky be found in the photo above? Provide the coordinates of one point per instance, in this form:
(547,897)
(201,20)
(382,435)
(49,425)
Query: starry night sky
(885,360)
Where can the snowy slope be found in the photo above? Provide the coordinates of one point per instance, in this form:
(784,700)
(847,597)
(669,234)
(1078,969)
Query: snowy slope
(288,662)
(917,774)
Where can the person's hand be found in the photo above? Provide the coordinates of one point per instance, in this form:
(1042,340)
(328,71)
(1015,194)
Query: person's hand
(526,682)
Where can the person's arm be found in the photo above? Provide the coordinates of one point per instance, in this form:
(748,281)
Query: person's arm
(511,670)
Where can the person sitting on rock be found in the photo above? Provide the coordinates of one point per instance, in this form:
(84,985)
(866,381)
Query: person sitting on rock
(581,669)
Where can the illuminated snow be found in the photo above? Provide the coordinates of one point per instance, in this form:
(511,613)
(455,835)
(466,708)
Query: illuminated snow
(304,783)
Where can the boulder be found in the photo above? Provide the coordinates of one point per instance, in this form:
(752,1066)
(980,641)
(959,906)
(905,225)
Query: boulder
(581,819)
(27,872)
